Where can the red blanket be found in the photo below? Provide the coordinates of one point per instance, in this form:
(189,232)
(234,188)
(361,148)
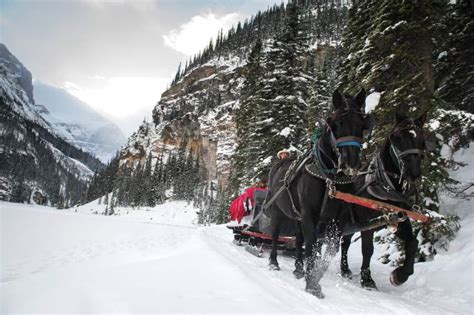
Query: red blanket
(242,205)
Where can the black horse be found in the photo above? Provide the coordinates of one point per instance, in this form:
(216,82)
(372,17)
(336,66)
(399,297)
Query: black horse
(337,153)
(390,179)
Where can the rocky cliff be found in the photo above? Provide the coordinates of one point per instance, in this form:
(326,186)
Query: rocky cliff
(196,113)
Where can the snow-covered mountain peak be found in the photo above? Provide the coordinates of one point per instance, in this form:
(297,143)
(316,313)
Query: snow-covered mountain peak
(77,122)
(12,68)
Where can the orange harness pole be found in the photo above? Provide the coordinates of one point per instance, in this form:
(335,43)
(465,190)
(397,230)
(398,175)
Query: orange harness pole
(376,205)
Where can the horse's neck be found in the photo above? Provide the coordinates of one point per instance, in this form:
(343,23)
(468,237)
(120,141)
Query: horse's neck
(390,166)
(329,158)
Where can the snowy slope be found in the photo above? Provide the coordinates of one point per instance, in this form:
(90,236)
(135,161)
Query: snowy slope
(157,260)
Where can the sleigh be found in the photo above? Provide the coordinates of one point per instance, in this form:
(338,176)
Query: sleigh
(254,229)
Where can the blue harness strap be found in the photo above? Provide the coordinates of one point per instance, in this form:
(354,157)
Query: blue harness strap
(347,141)
(350,143)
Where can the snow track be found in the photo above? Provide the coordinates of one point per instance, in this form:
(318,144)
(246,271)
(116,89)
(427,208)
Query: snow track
(67,262)
(342,295)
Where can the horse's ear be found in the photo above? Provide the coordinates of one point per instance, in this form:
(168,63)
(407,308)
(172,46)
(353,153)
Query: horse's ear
(360,98)
(400,116)
(369,122)
(420,121)
(337,100)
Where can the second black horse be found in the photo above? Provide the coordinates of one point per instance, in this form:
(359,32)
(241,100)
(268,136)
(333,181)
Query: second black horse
(390,178)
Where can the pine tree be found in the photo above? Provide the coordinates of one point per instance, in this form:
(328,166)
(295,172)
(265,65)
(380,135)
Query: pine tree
(325,82)
(390,54)
(106,203)
(136,191)
(245,115)
(279,105)
(157,181)
(147,198)
(454,56)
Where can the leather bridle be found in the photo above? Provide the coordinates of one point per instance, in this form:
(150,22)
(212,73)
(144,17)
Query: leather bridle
(398,155)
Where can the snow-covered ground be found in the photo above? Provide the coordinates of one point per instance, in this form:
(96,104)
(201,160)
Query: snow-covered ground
(63,261)
(159,261)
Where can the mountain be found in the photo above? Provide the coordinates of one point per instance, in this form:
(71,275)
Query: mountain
(36,164)
(77,122)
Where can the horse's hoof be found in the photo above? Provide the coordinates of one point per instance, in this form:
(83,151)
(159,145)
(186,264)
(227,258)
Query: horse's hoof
(346,274)
(369,285)
(272,266)
(317,292)
(393,279)
(298,273)
(397,278)
(366,280)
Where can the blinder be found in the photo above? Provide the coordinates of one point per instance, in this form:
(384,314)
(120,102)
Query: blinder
(399,155)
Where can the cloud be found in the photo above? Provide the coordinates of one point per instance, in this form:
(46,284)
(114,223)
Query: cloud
(144,6)
(194,35)
(121,97)
(124,100)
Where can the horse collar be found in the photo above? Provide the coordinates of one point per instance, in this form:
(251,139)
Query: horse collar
(379,184)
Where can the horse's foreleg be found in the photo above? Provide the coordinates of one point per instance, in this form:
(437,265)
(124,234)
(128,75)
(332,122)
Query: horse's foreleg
(401,274)
(299,265)
(318,263)
(275,222)
(345,244)
(367,245)
(333,236)
(312,284)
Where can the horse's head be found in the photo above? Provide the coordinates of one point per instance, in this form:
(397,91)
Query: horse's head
(407,145)
(347,125)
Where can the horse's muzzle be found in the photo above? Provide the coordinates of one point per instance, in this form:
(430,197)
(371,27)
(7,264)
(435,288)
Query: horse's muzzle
(351,172)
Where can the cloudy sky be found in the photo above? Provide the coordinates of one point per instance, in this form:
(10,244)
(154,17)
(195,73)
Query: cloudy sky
(116,55)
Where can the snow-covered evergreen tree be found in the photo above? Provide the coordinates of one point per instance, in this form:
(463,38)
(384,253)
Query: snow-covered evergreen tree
(325,82)
(392,53)
(273,111)
(454,55)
